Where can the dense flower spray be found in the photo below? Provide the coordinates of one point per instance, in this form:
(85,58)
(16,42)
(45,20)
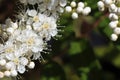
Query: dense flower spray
(27,37)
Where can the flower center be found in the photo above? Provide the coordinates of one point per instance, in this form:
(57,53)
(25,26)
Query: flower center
(36,18)
(30,41)
(9,50)
(45,25)
(16,60)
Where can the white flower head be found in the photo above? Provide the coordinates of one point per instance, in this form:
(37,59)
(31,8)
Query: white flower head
(31,41)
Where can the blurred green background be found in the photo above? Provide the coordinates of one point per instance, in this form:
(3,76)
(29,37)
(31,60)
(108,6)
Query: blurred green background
(84,52)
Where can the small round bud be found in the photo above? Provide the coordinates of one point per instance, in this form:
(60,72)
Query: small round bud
(1,74)
(113,24)
(100,4)
(74,15)
(68,9)
(61,10)
(79,9)
(86,10)
(63,3)
(113,8)
(31,65)
(81,4)
(114,37)
(2,62)
(73,4)
(8,66)
(117,30)
(14,73)
(113,16)
(108,2)
(7,73)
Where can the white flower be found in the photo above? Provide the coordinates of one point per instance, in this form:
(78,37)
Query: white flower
(16,62)
(9,47)
(51,7)
(30,40)
(48,28)
(33,17)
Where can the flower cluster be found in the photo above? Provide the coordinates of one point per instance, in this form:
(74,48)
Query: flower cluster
(77,9)
(27,37)
(49,7)
(114,13)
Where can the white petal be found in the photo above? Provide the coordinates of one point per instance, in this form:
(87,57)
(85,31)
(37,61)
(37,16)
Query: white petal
(10,56)
(33,2)
(36,25)
(23,61)
(32,13)
(21,69)
(63,3)
(29,21)
(53,33)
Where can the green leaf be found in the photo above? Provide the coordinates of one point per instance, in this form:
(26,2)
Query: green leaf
(75,47)
(84,76)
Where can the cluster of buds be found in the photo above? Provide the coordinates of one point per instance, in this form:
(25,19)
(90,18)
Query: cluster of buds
(114,13)
(77,8)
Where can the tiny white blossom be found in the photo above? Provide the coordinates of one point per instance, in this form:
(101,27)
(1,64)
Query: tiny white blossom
(31,65)
(7,73)
(2,62)
(81,4)
(73,4)
(68,9)
(1,74)
(74,15)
